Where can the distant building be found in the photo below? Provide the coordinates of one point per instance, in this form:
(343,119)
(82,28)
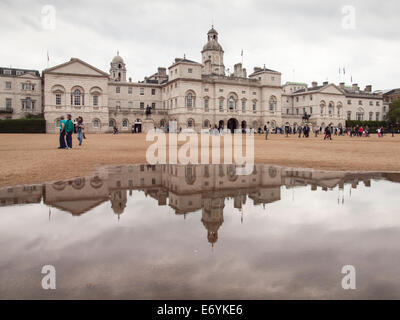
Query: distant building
(20,93)
(195,95)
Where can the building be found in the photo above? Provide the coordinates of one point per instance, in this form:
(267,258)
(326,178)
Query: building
(198,96)
(20,93)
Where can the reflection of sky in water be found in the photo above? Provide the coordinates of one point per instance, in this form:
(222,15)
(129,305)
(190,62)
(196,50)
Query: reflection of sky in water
(292,248)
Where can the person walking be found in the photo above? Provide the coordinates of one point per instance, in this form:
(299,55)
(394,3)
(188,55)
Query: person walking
(62,133)
(69,129)
(79,129)
(266,132)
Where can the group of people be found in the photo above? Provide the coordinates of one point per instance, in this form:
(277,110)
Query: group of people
(67,128)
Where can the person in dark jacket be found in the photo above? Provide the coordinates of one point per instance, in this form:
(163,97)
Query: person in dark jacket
(69,129)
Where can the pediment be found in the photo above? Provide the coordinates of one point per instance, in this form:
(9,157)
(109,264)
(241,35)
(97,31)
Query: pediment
(77,207)
(76,67)
(331,89)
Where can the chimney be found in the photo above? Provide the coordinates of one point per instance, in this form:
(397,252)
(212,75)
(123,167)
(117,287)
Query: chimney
(325,83)
(368,88)
(162,71)
(314,83)
(355,87)
(244,73)
(341,85)
(130,79)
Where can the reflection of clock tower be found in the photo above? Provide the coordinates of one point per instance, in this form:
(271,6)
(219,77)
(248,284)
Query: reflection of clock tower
(118,201)
(213,217)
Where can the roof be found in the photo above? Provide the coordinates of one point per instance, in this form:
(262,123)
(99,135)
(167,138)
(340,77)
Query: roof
(14,71)
(296,83)
(261,71)
(184,60)
(76,60)
(212,45)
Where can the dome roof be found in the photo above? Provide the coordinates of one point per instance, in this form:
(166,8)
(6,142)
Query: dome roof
(212,45)
(212,30)
(117,59)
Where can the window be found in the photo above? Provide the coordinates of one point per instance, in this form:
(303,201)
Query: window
(221,105)
(190,123)
(297,99)
(95,101)
(206,104)
(96,123)
(360,102)
(243,92)
(243,106)
(189,100)
(221,90)
(111,123)
(58,99)
(377,103)
(130,104)
(7,71)
(231,103)
(348,115)
(118,104)
(371,114)
(206,123)
(360,116)
(310,110)
(19,72)
(377,116)
(254,107)
(117,89)
(77,97)
(8,103)
(348,101)
(311,97)
(153,105)
(8,85)
(331,109)
(141,91)
(297,111)
(272,104)
(142,105)
(124,123)
(153,92)
(371,103)
(254,93)
(190,70)
(206,89)
(130,90)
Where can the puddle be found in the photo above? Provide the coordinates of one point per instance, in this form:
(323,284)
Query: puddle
(202,232)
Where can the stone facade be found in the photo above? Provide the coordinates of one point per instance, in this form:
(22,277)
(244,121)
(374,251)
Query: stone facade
(20,93)
(195,95)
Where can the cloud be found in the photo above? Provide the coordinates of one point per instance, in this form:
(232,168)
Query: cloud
(305,36)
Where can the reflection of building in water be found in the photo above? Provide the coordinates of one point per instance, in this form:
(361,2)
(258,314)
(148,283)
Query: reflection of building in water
(186,189)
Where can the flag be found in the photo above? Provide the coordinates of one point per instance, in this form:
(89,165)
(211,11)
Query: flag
(48,55)
(242,53)
(344,71)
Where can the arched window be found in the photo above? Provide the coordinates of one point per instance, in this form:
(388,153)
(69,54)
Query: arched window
(125,123)
(162,123)
(231,103)
(322,106)
(190,123)
(96,123)
(111,123)
(206,123)
(77,97)
(330,109)
(272,104)
(189,100)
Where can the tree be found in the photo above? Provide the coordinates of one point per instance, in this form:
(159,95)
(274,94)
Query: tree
(394,113)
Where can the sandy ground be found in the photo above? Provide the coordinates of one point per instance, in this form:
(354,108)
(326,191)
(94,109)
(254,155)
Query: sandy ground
(34,158)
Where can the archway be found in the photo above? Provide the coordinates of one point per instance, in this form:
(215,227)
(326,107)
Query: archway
(244,124)
(232,124)
(221,124)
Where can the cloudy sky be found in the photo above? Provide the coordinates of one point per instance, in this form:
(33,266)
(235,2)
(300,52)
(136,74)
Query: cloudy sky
(306,40)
